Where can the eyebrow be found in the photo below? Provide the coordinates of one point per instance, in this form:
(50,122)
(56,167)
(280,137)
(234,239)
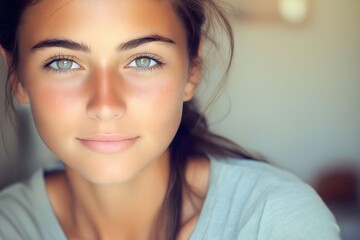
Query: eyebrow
(143,40)
(62,43)
(72,45)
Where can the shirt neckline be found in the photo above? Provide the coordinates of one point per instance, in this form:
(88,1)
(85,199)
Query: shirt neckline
(54,221)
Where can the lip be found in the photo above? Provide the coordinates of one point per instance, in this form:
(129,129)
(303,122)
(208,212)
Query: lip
(108,143)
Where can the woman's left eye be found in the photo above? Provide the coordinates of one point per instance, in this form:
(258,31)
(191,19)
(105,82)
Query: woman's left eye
(143,62)
(63,65)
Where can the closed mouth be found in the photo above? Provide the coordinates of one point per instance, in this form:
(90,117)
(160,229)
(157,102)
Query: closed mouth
(108,144)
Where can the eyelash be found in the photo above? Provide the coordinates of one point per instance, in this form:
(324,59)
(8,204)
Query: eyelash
(59,57)
(157,60)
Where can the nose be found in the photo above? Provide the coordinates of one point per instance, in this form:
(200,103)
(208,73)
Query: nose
(106,100)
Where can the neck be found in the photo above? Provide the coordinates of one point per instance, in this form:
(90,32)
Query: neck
(127,210)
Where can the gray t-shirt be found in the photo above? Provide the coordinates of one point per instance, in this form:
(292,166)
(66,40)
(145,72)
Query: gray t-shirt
(246,200)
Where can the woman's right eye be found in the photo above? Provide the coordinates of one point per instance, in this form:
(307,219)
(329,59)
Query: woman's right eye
(62,65)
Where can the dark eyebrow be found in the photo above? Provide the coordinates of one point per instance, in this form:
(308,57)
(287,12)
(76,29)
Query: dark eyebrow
(62,43)
(69,44)
(147,39)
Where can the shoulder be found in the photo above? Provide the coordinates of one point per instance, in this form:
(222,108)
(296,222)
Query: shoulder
(247,176)
(256,199)
(16,208)
(25,210)
(246,167)
(259,179)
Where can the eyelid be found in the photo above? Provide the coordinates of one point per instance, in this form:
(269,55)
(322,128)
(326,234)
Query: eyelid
(160,62)
(59,57)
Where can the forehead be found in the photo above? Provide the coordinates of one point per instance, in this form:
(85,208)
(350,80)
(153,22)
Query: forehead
(99,19)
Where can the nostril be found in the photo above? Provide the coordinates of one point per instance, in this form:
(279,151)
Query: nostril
(106,112)
(106,109)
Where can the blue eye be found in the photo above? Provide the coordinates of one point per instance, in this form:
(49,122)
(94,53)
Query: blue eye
(63,65)
(143,62)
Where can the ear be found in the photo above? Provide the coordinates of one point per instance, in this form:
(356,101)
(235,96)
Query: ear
(194,80)
(6,57)
(195,75)
(20,92)
(17,87)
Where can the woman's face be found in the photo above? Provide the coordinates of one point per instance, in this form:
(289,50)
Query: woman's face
(106,81)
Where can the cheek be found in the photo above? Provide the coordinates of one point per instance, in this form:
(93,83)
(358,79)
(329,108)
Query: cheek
(159,110)
(168,111)
(160,118)
(54,99)
(54,107)
(163,99)
(57,118)
(50,92)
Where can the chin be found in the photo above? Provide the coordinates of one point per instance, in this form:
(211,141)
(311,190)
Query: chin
(113,174)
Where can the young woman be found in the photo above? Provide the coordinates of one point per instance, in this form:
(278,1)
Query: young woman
(110,85)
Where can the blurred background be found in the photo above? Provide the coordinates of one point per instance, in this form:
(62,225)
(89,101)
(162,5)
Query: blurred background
(293,96)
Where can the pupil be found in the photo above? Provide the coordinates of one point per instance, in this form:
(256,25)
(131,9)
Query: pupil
(143,62)
(64,64)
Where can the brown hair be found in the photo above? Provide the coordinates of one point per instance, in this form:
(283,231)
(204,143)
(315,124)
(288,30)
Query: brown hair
(193,137)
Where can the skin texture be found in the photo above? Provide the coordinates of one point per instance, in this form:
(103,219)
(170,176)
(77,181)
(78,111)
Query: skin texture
(104,96)
(107,119)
